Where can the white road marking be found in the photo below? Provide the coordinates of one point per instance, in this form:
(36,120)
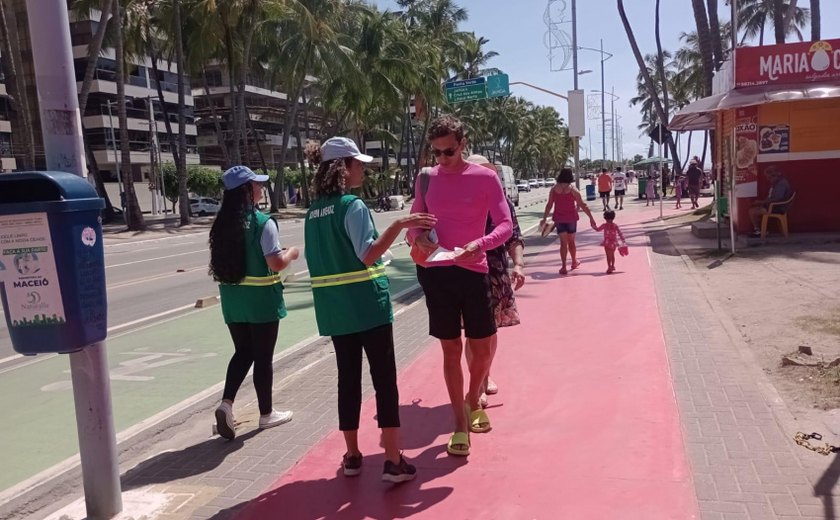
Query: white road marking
(156,258)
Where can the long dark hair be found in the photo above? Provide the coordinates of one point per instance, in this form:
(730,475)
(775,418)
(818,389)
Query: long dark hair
(227,236)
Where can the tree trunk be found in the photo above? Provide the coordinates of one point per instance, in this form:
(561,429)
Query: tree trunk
(305,172)
(666,101)
(705,147)
(173,141)
(779,21)
(279,200)
(134,215)
(816,20)
(790,10)
(18,99)
(235,152)
(220,140)
(714,29)
(705,42)
(94,48)
(240,94)
(181,165)
(259,150)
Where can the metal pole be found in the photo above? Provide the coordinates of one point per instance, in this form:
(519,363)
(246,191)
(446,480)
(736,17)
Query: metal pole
(661,175)
(576,142)
(52,56)
(116,158)
(733,208)
(603,113)
(612,108)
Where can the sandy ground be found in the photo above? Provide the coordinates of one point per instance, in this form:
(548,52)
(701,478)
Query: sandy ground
(781,296)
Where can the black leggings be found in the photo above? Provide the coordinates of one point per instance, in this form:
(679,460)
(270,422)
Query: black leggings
(254,344)
(378,345)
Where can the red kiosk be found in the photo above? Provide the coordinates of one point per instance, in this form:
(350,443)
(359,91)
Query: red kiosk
(777,105)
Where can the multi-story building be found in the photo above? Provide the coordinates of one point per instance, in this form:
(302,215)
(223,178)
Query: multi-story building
(147,132)
(7,159)
(266,116)
(146,113)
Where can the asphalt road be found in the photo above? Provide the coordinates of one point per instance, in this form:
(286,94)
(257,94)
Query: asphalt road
(151,280)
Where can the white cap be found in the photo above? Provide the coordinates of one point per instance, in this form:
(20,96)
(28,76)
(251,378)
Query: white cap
(341,147)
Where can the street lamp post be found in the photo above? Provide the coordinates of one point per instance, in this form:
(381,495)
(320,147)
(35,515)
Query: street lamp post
(613,118)
(604,57)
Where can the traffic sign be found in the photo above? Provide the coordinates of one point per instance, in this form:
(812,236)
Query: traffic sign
(466,90)
(477,89)
(498,85)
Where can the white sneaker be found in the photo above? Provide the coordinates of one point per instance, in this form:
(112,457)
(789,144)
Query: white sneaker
(225,425)
(275,418)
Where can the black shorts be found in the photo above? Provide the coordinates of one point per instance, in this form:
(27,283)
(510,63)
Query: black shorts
(619,193)
(565,227)
(604,194)
(455,295)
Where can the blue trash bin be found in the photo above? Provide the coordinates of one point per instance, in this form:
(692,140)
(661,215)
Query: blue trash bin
(52,263)
(590,192)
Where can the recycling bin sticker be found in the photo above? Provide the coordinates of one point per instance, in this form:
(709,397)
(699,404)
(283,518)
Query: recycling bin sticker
(29,275)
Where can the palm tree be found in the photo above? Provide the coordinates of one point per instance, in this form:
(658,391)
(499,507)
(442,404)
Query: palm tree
(18,97)
(816,20)
(134,216)
(754,15)
(473,57)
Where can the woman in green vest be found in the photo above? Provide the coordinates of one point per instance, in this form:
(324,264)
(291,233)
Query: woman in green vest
(352,297)
(245,257)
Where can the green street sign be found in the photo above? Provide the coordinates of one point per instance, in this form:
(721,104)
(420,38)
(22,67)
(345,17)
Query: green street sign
(477,89)
(466,90)
(498,85)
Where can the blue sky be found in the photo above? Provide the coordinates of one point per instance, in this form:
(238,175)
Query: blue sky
(516,31)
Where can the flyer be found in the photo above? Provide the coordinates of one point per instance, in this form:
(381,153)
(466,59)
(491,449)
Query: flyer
(29,274)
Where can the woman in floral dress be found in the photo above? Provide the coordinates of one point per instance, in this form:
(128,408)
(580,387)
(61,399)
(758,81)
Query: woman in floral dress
(503,281)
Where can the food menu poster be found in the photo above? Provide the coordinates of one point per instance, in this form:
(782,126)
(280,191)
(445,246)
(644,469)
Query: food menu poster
(746,152)
(774,139)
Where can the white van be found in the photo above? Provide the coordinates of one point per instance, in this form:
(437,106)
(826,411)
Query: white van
(508,183)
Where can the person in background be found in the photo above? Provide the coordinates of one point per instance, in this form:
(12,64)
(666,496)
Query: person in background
(352,297)
(566,203)
(605,185)
(245,257)
(461,196)
(503,281)
(678,190)
(780,191)
(619,186)
(694,178)
(613,238)
(650,191)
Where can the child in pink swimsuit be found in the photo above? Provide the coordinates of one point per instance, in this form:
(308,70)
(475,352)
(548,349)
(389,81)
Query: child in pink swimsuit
(613,238)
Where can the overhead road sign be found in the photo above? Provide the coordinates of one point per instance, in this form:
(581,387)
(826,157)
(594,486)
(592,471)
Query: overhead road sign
(477,89)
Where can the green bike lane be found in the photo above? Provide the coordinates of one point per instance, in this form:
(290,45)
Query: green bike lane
(153,368)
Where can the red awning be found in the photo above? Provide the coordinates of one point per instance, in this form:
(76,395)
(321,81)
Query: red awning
(700,115)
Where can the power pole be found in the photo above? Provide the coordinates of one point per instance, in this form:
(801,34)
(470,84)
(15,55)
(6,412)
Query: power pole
(576,139)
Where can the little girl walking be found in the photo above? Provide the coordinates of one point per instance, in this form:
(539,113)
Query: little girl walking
(678,191)
(613,239)
(650,192)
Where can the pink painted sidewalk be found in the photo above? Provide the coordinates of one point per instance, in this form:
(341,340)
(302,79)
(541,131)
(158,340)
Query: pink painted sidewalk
(585,425)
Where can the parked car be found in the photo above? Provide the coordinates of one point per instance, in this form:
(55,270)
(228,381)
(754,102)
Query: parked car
(533,183)
(551,181)
(523,186)
(508,183)
(204,206)
(541,183)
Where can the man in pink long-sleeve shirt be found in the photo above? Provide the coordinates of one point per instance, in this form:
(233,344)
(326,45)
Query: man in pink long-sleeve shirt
(460,195)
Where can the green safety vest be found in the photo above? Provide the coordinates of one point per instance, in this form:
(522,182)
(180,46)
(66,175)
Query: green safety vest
(258,298)
(349,296)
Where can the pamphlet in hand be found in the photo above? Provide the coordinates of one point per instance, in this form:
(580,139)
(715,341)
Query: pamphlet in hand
(443,255)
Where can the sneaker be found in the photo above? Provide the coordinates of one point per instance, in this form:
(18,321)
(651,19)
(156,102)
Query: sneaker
(396,473)
(225,426)
(275,418)
(351,464)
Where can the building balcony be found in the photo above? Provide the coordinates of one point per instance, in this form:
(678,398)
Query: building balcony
(141,125)
(110,87)
(5,127)
(105,158)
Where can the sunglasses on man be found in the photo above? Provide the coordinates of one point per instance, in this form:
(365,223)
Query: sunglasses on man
(449,152)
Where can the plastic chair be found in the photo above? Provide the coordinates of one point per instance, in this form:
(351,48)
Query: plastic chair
(781,217)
